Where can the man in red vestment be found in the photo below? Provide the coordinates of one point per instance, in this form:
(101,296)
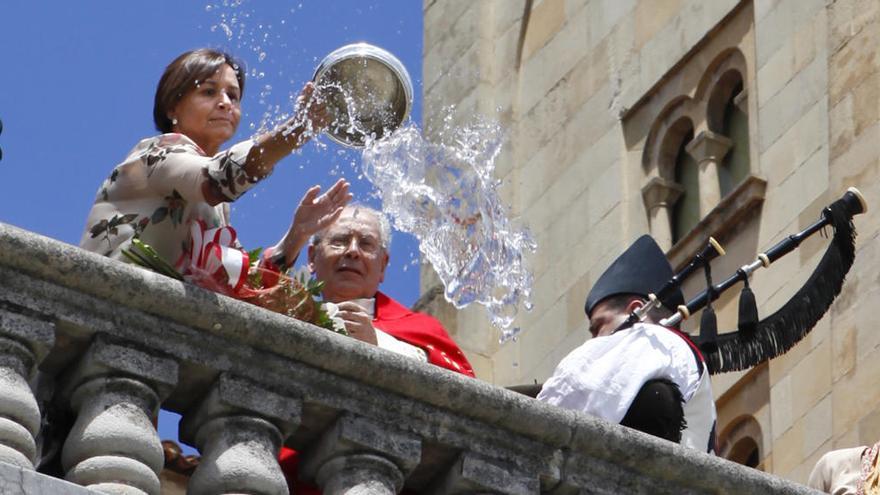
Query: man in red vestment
(350,257)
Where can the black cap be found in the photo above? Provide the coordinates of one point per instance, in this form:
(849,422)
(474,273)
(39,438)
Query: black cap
(642,269)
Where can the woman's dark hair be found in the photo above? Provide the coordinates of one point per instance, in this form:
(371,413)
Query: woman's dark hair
(182,75)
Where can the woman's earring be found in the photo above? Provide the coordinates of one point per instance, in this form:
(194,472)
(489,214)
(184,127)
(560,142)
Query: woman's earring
(174,121)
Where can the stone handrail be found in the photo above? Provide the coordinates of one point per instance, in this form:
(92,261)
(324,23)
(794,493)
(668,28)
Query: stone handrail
(112,342)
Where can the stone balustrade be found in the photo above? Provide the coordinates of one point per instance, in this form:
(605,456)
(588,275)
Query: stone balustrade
(109,343)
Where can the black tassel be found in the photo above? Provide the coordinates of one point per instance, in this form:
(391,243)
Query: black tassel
(748,312)
(709,322)
(780,331)
(709,331)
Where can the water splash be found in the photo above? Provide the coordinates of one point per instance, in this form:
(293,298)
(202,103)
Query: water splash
(444,193)
(244,29)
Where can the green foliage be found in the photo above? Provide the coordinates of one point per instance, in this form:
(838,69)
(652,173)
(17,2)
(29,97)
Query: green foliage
(142,254)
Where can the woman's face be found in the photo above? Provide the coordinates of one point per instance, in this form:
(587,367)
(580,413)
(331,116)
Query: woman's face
(210,112)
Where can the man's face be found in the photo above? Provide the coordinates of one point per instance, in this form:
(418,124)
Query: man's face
(350,259)
(607,316)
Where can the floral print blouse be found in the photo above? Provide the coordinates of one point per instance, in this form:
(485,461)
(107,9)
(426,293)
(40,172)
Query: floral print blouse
(156,192)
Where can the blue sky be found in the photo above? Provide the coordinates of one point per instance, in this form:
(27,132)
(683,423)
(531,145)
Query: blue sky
(77,85)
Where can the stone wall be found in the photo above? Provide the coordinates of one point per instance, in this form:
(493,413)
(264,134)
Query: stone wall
(578,83)
(850,400)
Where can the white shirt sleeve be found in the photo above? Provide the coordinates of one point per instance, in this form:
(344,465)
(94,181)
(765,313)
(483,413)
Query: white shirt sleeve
(603,376)
(388,342)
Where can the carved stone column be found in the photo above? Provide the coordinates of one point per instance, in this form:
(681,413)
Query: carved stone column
(475,474)
(24,342)
(116,390)
(659,196)
(239,428)
(709,150)
(358,456)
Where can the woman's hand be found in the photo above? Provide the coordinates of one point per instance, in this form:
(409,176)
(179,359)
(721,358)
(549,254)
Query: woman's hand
(314,213)
(310,117)
(311,111)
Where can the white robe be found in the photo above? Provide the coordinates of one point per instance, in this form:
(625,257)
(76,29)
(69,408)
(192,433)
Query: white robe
(603,376)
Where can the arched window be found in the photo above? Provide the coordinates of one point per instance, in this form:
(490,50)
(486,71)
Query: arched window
(727,115)
(686,212)
(741,442)
(745,452)
(700,179)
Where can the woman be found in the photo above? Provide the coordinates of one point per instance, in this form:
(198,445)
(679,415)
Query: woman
(169,181)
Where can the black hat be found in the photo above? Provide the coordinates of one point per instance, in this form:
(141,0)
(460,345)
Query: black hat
(642,269)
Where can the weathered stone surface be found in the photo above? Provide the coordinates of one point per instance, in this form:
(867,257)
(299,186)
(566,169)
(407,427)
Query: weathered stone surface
(359,474)
(113,443)
(17,481)
(239,427)
(232,395)
(357,451)
(238,456)
(108,356)
(596,81)
(475,474)
(213,339)
(37,335)
(24,342)
(115,390)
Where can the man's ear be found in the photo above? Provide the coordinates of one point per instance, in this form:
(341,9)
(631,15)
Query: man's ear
(385,259)
(312,259)
(634,304)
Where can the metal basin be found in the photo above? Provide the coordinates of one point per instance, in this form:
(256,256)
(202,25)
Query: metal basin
(368,91)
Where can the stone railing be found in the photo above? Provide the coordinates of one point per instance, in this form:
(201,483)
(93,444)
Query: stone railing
(110,343)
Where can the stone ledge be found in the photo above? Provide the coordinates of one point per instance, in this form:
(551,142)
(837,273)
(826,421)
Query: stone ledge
(732,209)
(15,481)
(209,334)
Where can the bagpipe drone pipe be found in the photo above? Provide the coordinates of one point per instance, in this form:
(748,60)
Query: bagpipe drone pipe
(757,340)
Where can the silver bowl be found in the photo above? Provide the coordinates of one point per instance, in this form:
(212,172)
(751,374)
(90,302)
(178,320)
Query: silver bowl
(368,92)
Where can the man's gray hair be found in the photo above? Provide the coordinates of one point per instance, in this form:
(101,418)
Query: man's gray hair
(384,225)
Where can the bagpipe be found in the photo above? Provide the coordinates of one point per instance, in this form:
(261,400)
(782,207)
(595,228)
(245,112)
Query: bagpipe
(756,340)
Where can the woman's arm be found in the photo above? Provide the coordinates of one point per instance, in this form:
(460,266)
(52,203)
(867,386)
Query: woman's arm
(172,163)
(310,118)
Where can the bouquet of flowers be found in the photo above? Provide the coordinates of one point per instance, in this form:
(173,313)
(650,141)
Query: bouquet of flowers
(213,261)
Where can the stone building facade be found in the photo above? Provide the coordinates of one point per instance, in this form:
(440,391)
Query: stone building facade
(682,118)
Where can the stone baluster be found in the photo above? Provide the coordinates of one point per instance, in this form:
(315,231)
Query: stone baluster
(24,342)
(709,150)
(359,456)
(116,390)
(476,474)
(239,428)
(659,196)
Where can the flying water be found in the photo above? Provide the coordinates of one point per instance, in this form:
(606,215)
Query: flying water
(445,194)
(442,190)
